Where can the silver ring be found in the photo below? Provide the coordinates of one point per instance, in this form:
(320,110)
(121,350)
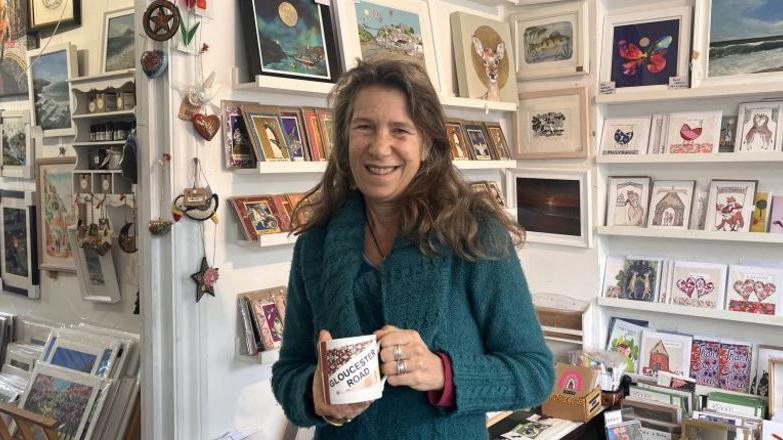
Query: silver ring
(397,353)
(402,368)
(347,419)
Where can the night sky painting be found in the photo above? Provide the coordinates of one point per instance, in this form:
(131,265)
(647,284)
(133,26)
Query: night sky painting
(549,205)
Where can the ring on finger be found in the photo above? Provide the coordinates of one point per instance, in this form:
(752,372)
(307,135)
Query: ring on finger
(397,353)
(347,419)
(402,367)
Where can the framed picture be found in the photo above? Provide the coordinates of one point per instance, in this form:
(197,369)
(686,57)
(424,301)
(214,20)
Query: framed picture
(759,127)
(313,131)
(326,125)
(703,429)
(670,204)
(775,387)
(389,30)
(728,131)
(18,145)
(754,289)
(19,248)
(237,150)
(762,202)
(644,48)
(97,273)
(760,383)
(497,140)
(56,213)
(638,280)
(45,14)
(259,215)
(730,205)
(553,124)
(693,132)
(625,136)
(293,131)
(118,41)
(49,88)
(658,126)
(14,46)
(552,205)
(291,38)
(627,201)
(698,285)
(95,359)
(665,352)
(737,42)
(776,216)
(482,55)
(477,139)
(460,150)
(266,133)
(552,41)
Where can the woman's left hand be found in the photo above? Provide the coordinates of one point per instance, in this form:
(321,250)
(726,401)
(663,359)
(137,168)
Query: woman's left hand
(424,369)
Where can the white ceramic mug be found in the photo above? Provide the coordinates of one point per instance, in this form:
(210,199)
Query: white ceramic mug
(351,370)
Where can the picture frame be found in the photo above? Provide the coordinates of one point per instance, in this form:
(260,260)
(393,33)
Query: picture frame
(625,136)
(480,147)
(625,56)
(759,127)
(665,352)
(312,129)
(754,289)
(730,205)
(776,215)
(19,252)
(238,150)
(259,215)
(326,126)
(57,211)
(762,204)
(97,360)
(266,133)
(693,132)
(536,30)
(97,273)
(730,50)
(497,140)
(117,45)
(17,144)
(55,66)
(775,387)
(539,196)
(293,130)
(45,15)
(670,204)
(16,41)
(728,132)
(543,127)
(627,201)
(700,285)
(404,28)
(692,428)
(760,382)
(272,43)
(460,150)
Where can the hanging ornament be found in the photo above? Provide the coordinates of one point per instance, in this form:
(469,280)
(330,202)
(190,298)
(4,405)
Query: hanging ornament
(160,226)
(161,20)
(197,202)
(197,97)
(154,63)
(206,126)
(205,279)
(127,240)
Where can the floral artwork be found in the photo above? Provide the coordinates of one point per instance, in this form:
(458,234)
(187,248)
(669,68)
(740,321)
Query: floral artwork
(758,127)
(694,133)
(65,401)
(698,284)
(734,364)
(628,200)
(754,289)
(58,212)
(645,53)
(730,205)
(705,356)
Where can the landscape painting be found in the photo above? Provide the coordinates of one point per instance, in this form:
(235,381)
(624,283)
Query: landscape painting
(549,205)
(14,141)
(118,44)
(389,33)
(51,97)
(14,44)
(67,402)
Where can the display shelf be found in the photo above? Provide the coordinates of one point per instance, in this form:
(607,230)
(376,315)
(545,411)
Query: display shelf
(484,164)
(267,357)
(106,115)
(692,312)
(270,240)
(648,159)
(275,84)
(320,166)
(567,341)
(478,104)
(97,143)
(103,81)
(734,90)
(690,234)
(126,73)
(98,171)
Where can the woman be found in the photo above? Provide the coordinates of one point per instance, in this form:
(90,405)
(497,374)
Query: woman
(396,244)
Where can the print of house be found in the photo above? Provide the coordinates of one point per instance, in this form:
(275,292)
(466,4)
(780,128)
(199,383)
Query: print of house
(670,210)
(659,357)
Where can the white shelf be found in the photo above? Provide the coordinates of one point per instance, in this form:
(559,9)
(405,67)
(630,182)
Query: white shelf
(98,171)
(690,234)
(646,159)
(484,164)
(305,167)
(673,309)
(105,115)
(478,104)
(103,81)
(288,86)
(735,90)
(127,73)
(97,143)
(270,240)
(268,357)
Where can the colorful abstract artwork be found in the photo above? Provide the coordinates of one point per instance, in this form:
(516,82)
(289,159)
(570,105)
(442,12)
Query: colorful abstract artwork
(65,401)
(645,54)
(705,355)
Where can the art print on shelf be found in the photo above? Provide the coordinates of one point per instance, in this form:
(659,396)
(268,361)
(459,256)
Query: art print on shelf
(730,205)
(665,352)
(553,124)
(705,360)
(459,146)
(670,204)
(118,41)
(477,138)
(17,142)
(658,126)
(90,358)
(292,38)
(50,90)
(19,247)
(699,211)
(693,132)
(266,133)
(56,212)
(754,289)
(626,338)
(735,362)
(293,131)
(698,284)
(45,14)
(776,216)
(728,132)
(482,54)
(613,277)
(762,202)
(97,273)
(625,136)
(326,126)
(552,205)
(627,201)
(645,48)
(237,149)
(551,41)
(639,279)
(760,382)
(497,140)
(759,127)
(314,136)
(260,215)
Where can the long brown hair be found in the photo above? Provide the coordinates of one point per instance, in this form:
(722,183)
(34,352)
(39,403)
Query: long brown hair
(438,208)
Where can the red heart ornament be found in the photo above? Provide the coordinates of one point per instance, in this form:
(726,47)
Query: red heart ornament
(206,126)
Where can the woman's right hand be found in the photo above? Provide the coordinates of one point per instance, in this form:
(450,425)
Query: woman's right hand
(338,413)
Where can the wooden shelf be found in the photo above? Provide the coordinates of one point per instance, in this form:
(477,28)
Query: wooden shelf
(690,234)
(673,309)
(478,104)
(752,90)
(97,143)
(646,159)
(106,115)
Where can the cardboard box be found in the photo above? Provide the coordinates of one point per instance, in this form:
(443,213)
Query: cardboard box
(578,409)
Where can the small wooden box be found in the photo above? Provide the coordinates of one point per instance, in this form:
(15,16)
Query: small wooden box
(578,409)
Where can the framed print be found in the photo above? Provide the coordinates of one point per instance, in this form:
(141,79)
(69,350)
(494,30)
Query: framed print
(118,41)
(97,360)
(775,387)
(19,248)
(658,126)
(728,131)
(644,48)
(698,284)
(670,204)
(312,129)
(762,202)
(737,41)
(326,125)
(754,289)
(389,30)
(237,151)
(482,55)
(45,14)
(497,140)
(627,201)
(665,352)
(460,150)
(477,139)
(97,273)
(760,382)
(759,127)
(480,186)
(56,212)
(293,131)
(552,205)
(730,205)
(266,133)
(49,88)
(18,145)
(260,214)
(291,38)
(553,124)
(14,44)
(552,41)
(693,132)
(776,215)
(625,136)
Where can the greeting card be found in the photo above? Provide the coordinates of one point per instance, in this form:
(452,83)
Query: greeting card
(734,364)
(665,352)
(698,284)
(626,338)
(705,354)
(613,274)
(640,278)
(760,384)
(754,289)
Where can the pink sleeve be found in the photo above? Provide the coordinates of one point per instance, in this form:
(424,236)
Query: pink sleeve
(444,398)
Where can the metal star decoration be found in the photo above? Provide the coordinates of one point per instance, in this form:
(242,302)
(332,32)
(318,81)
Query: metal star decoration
(161,20)
(205,279)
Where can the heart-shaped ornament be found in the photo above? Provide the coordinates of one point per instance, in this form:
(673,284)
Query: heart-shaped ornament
(206,126)
(154,62)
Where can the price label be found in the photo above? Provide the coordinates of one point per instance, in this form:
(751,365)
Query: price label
(607,88)
(613,418)
(678,82)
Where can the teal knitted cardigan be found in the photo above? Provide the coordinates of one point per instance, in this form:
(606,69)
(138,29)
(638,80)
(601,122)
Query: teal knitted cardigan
(480,313)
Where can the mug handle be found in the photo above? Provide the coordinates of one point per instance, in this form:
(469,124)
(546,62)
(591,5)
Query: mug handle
(378,350)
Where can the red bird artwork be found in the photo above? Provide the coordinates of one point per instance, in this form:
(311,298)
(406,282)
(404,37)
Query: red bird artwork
(690,134)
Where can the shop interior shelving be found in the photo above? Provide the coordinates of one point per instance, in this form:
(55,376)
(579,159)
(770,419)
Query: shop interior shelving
(744,91)
(690,234)
(651,159)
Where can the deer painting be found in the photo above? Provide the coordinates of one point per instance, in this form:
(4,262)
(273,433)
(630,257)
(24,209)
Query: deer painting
(491,58)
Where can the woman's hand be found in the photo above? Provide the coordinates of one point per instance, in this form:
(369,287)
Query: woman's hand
(338,413)
(424,369)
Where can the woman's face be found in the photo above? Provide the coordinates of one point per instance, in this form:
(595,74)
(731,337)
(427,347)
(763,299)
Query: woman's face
(385,148)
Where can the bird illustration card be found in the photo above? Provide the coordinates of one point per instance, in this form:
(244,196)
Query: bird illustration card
(627,201)
(665,352)
(625,136)
(754,289)
(759,127)
(698,284)
(670,204)
(761,211)
(730,205)
(693,132)
(776,216)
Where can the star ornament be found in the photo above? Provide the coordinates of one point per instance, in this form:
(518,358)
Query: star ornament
(205,279)
(161,20)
